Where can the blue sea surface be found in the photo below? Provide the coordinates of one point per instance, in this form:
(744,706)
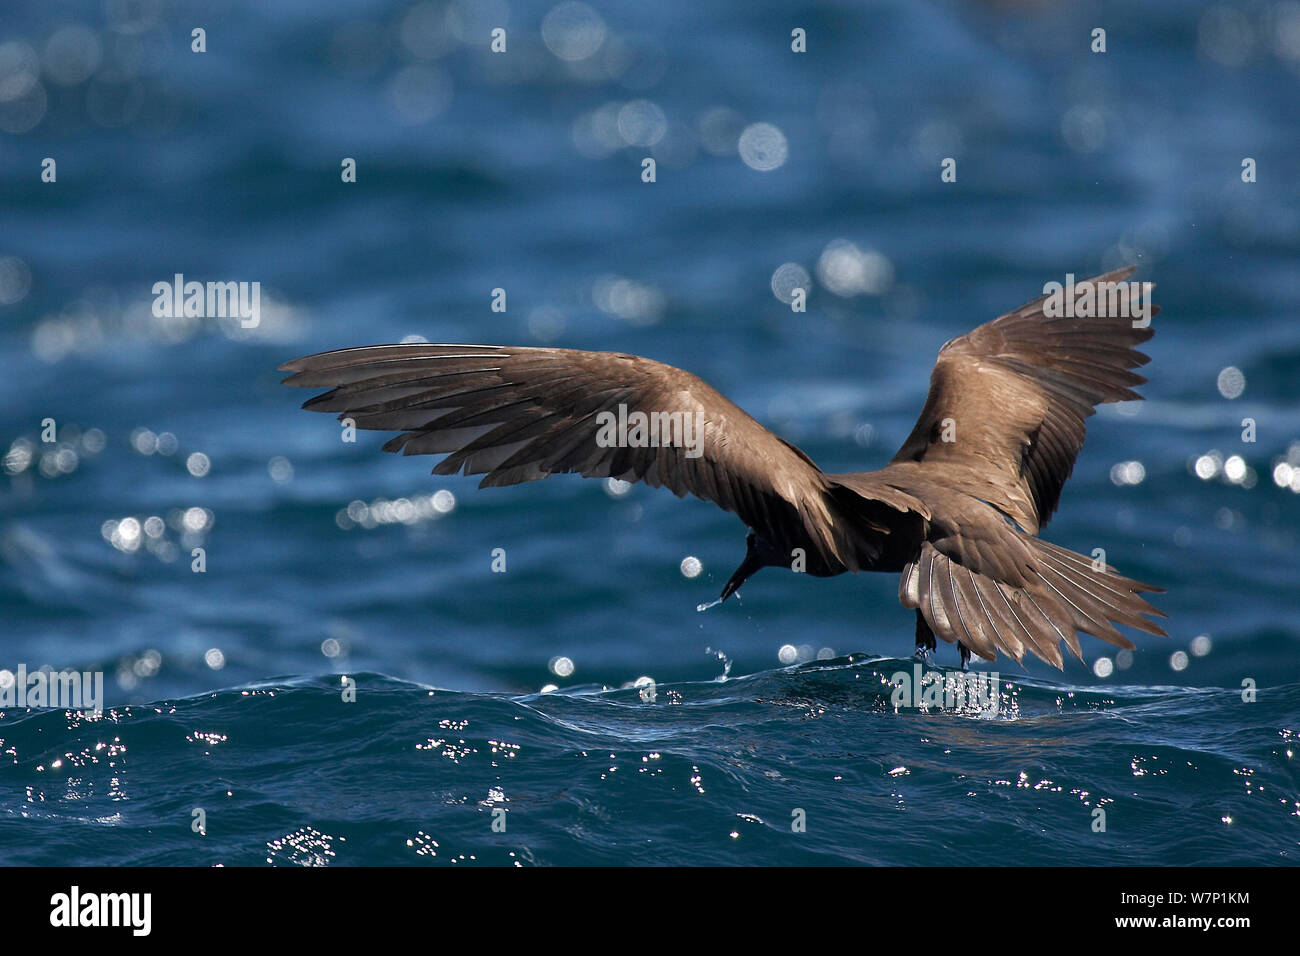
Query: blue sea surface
(348,681)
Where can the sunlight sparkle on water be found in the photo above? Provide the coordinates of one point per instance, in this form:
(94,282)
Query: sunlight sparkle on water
(1231,382)
(847,270)
(763,147)
(617,487)
(573,31)
(787,278)
(1128,473)
(1209,465)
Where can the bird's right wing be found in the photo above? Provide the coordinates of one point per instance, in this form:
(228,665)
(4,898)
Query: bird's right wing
(519,414)
(1004,418)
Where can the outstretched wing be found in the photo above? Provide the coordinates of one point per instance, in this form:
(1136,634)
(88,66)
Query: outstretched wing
(519,414)
(1007,403)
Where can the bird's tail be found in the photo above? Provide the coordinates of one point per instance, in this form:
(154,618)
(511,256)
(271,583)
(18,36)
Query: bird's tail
(1044,597)
(1092,595)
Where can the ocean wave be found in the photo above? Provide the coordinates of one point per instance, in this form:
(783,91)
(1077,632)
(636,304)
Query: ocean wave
(806,764)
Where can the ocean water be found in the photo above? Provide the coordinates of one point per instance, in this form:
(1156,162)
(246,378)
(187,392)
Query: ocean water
(348,682)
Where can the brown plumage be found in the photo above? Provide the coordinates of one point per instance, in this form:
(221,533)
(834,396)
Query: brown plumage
(956,512)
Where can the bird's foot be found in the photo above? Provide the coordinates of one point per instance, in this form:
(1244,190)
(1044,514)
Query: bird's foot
(925,641)
(965,656)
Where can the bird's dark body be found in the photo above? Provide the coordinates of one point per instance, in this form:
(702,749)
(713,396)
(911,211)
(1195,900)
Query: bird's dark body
(956,512)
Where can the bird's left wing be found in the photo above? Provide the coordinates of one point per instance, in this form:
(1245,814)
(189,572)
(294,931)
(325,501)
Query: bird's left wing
(519,414)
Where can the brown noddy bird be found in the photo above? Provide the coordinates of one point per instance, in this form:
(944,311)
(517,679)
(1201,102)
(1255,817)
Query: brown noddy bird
(957,510)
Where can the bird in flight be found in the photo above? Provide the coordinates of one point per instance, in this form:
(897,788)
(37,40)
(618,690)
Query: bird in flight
(956,512)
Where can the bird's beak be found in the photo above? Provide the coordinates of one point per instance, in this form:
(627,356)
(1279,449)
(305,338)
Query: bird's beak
(733,585)
(747,567)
